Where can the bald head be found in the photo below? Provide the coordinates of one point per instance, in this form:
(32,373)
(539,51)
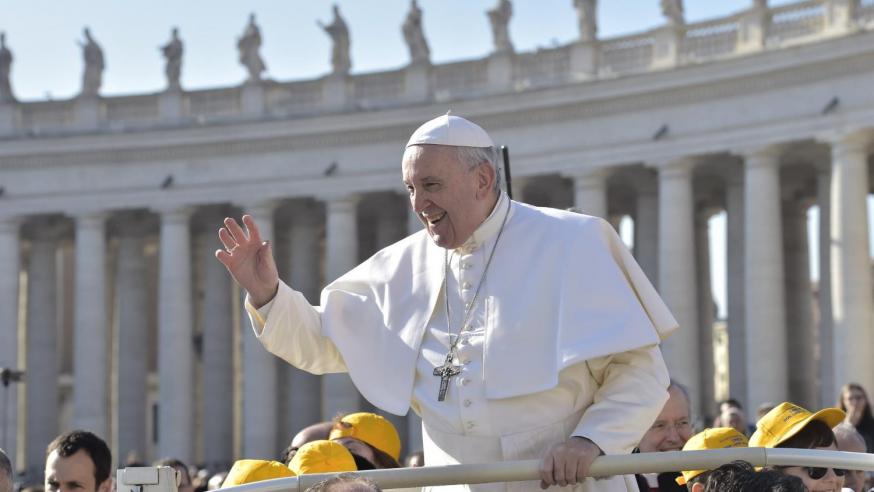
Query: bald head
(848,438)
(5,473)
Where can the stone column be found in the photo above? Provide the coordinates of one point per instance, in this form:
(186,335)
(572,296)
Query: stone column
(260,369)
(590,193)
(41,379)
(799,306)
(763,280)
(217,330)
(646,231)
(828,386)
(90,353)
(304,396)
(706,310)
(677,272)
(132,326)
(338,393)
(734,237)
(850,262)
(175,354)
(10,266)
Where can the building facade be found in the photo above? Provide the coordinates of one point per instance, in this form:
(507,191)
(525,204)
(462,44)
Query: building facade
(124,323)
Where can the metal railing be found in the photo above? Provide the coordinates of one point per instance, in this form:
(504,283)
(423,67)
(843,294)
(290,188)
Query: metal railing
(605,466)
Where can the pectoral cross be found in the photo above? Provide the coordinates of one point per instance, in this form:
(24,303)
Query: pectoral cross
(445,372)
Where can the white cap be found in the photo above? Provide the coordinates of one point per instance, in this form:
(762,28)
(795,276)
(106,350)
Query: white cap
(451,130)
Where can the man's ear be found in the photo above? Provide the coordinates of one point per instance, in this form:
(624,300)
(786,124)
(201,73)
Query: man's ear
(486,177)
(108,485)
(697,487)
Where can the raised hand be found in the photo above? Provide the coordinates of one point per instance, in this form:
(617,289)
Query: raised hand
(249,259)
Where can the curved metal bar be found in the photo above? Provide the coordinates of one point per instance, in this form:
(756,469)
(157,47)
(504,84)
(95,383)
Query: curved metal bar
(516,471)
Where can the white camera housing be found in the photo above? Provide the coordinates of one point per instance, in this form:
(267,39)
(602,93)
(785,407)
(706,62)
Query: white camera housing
(148,479)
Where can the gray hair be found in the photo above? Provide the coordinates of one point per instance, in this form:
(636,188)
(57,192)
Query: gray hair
(684,391)
(5,472)
(345,481)
(474,156)
(847,431)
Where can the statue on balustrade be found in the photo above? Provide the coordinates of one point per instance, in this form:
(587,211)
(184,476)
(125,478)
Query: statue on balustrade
(5,70)
(341,62)
(499,17)
(587,15)
(249,47)
(673,12)
(92,76)
(173,57)
(414,35)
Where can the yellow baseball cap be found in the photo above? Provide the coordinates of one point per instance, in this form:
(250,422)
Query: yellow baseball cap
(786,419)
(248,471)
(372,429)
(716,438)
(322,457)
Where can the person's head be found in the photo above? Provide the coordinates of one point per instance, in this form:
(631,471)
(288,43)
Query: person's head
(451,174)
(848,439)
(6,473)
(315,432)
(345,482)
(78,461)
(673,426)
(740,476)
(718,438)
(728,404)
(185,484)
(415,459)
(250,471)
(854,401)
(370,436)
(734,418)
(791,426)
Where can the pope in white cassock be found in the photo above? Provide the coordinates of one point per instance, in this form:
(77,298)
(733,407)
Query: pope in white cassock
(515,332)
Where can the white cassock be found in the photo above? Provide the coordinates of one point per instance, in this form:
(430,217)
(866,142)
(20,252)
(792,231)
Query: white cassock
(562,339)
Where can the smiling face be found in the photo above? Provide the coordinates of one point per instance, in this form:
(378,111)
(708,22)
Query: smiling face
(450,198)
(672,428)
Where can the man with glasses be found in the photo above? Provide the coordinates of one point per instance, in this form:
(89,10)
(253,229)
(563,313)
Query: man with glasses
(670,431)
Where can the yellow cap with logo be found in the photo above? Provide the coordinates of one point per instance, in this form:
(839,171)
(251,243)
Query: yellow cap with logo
(716,438)
(372,429)
(322,457)
(248,471)
(786,419)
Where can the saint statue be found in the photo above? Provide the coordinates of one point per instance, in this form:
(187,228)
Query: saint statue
(673,11)
(339,32)
(92,76)
(5,70)
(587,16)
(249,46)
(173,56)
(414,35)
(499,17)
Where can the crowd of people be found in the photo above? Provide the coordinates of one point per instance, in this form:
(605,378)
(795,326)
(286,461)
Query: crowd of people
(80,461)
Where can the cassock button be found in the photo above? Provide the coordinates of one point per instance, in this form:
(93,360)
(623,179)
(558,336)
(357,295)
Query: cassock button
(467,403)
(465,381)
(465,266)
(465,285)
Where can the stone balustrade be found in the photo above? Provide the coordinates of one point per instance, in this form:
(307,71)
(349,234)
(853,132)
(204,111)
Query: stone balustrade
(660,48)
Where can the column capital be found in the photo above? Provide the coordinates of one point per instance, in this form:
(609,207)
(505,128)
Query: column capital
(849,142)
(677,167)
(768,155)
(586,178)
(174,213)
(91,219)
(339,200)
(258,207)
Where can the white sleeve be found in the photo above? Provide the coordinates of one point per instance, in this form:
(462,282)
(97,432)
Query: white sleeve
(632,389)
(290,328)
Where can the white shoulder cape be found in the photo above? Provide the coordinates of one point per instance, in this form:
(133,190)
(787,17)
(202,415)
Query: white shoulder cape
(563,289)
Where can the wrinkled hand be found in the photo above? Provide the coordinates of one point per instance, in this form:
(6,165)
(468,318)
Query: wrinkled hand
(568,463)
(249,260)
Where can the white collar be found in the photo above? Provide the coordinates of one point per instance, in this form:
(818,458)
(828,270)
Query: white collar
(489,227)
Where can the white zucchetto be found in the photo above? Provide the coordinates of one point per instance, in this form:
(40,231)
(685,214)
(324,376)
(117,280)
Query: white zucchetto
(451,130)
